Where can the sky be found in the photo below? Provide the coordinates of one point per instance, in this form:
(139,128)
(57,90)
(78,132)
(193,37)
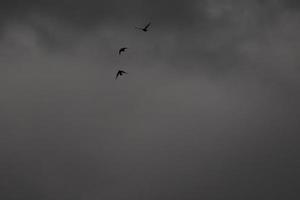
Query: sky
(209,108)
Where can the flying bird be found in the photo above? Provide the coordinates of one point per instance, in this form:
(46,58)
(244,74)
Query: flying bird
(120,73)
(145,29)
(122,50)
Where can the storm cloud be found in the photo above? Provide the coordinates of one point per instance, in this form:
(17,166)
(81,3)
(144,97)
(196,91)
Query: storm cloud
(209,110)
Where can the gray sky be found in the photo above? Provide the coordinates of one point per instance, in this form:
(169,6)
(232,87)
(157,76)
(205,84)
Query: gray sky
(209,110)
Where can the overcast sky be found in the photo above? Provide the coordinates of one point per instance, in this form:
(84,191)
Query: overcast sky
(209,110)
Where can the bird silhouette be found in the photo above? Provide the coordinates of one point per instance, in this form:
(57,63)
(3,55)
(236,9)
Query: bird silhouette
(122,50)
(120,73)
(145,29)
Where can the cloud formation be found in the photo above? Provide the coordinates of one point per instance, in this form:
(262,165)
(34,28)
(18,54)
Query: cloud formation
(209,109)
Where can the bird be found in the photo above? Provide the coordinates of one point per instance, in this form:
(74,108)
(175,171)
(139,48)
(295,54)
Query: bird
(122,50)
(120,73)
(145,29)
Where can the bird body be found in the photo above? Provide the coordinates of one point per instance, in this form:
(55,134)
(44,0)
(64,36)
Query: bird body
(145,29)
(122,50)
(120,73)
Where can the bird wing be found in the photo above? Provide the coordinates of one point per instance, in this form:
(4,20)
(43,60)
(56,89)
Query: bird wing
(139,28)
(122,50)
(147,26)
(117,75)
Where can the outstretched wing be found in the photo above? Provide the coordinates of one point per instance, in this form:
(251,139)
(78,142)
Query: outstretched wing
(148,25)
(122,50)
(117,75)
(139,28)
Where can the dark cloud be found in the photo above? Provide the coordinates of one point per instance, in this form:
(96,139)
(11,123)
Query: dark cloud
(209,109)
(165,14)
(92,12)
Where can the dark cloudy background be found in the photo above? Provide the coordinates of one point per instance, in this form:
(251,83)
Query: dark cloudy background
(210,108)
